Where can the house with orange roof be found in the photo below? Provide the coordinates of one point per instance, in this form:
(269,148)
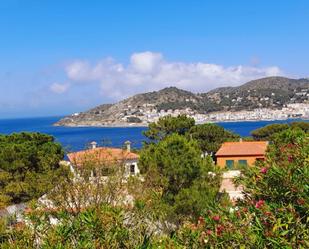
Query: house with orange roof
(231,154)
(105,159)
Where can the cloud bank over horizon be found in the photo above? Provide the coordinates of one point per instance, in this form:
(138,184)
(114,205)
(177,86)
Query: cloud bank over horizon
(148,71)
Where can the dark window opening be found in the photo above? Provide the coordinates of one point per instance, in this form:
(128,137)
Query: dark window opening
(132,169)
(229,164)
(243,162)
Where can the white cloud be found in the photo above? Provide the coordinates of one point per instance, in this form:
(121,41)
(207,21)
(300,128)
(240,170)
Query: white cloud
(78,70)
(59,88)
(146,62)
(150,71)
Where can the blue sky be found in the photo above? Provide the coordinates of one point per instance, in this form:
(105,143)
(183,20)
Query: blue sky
(58,57)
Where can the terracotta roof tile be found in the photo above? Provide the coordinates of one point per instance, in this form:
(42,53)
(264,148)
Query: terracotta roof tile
(243,148)
(101,155)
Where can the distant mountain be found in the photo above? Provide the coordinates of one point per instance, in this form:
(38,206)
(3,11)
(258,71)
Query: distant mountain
(271,92)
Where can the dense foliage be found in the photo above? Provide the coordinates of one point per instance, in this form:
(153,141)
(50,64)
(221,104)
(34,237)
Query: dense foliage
(210,136)
(29,166)
(95,227)
(267,132)
(175,166)
(168,125)
(274,213)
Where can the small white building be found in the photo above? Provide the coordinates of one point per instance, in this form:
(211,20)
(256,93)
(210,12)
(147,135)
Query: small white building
(105,159)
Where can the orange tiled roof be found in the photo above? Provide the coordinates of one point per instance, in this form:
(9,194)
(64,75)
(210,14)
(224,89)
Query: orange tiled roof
(101,155)
(243,148)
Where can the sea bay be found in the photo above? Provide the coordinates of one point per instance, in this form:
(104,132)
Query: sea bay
(77,138)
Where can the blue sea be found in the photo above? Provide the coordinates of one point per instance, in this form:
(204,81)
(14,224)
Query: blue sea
(78,138)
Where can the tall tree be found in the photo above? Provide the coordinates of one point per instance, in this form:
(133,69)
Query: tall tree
(210,136)
(29,166)
(174,166)
(168,125)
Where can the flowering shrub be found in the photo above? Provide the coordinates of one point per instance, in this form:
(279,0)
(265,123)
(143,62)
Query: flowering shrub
(274,213)
(278,189)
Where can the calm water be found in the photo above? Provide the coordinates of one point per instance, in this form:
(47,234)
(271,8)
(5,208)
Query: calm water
(74,139)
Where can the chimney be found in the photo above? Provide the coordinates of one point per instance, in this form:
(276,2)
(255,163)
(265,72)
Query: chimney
(128,145)
(93,144)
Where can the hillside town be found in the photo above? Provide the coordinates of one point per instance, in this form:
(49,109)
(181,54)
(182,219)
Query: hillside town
(269,98)
(148,113)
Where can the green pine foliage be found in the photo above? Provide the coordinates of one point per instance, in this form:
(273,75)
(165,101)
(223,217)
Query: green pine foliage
(267,132)
(29,166)
(211,136)
(169,125)
(175,166)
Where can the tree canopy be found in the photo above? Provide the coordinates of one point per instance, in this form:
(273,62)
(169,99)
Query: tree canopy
(210,136)
(168,125)
(29,166)
(267,132)
(175,166)
(304,126)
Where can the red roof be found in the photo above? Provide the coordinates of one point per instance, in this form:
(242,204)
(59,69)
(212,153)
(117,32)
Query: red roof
(101,155)
(243,148)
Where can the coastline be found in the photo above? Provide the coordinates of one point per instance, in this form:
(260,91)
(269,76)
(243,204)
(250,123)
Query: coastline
(143,125)
(103,125)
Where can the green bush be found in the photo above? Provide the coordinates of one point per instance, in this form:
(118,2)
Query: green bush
(29,166)
(175,166)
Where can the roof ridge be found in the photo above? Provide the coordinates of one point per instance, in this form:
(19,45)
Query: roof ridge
(243,148)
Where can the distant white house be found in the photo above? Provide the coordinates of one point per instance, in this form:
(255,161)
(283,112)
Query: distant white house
(106,158)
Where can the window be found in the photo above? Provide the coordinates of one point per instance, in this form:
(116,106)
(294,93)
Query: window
(242,162)
(132,169)
(229,163)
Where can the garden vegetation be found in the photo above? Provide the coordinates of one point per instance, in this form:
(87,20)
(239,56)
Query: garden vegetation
(175,203)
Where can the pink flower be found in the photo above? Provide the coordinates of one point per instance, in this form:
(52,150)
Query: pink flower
(290,158)
(264,170)
(219,229)
(209,232)
(216,218)
(259,203)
